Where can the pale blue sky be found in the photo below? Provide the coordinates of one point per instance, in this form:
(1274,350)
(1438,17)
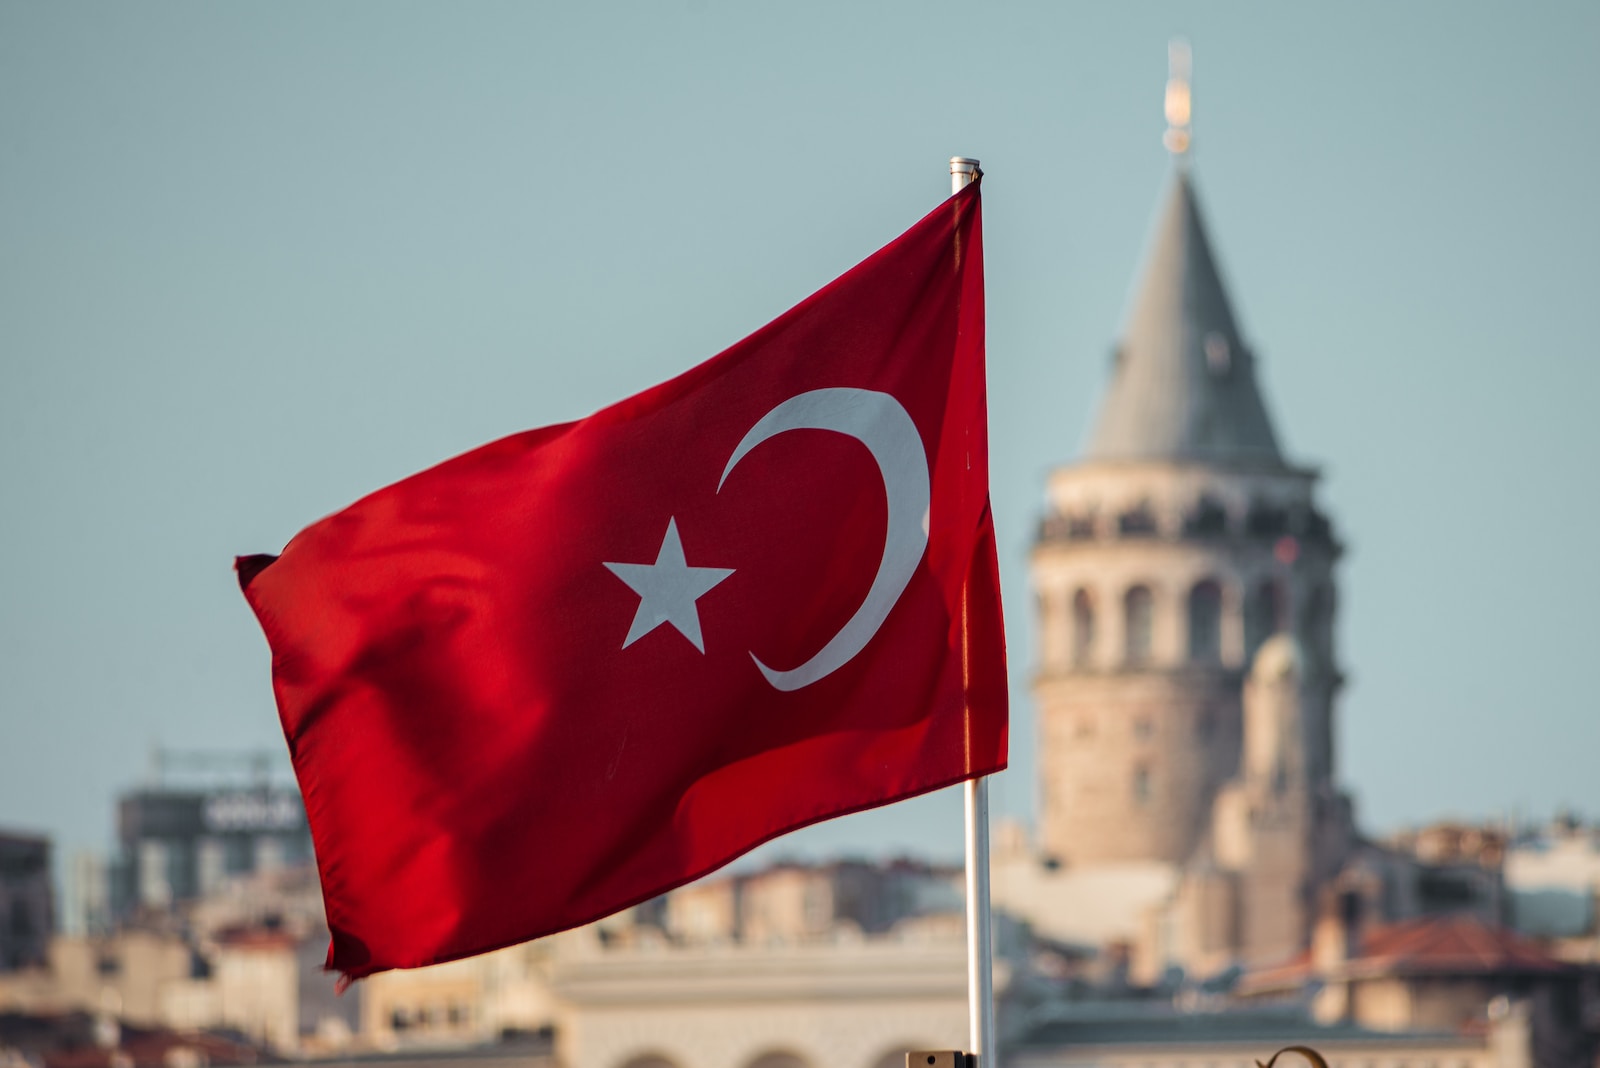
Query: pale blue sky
(256,260)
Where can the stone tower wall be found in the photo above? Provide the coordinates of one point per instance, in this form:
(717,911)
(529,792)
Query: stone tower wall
(1137,736)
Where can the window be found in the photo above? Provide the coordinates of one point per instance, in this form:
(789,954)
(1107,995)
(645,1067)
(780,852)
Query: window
(1205,622)
(1137,522)
(1138,607)
(1319,618)
(1141,785)
(1266,520)
(1219,354)
(1082,627)
(1263,616)
(1208,519)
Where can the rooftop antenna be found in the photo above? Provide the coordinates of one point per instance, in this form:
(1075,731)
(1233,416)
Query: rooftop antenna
(1177,137)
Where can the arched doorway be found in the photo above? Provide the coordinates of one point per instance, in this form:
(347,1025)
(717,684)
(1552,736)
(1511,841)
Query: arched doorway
(779,1059)
(650,1060)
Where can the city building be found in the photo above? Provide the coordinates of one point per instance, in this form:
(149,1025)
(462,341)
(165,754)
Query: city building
(852,1003)
(178,842)
(1553,878)
(26,909)
(460,1003)
(99,1040)
(1103,1037)
(86,895)
(789,903)
(1442,974)
(791,966)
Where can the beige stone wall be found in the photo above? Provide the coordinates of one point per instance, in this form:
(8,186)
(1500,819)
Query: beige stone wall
(438,1004)
(1090,905)
(706,911)
(786,905)
(1205,921)
(258,993)
(1130,762)
(1274,919)
(1132,754)
(1381,1004)
(125,974)
(462,1001)
(1448,1004)
(855,1006)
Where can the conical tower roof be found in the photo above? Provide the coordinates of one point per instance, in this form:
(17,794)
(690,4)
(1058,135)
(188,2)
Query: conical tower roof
(1183,385)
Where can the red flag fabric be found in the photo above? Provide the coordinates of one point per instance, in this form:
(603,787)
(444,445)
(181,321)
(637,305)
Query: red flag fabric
(574,668)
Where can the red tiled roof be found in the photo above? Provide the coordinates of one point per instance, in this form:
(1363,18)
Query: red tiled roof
(69,1040)
(1430,945)
(1455,944)
(255,938)
(154,1048)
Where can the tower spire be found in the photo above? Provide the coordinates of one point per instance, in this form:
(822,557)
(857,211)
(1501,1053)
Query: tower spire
(1183,385)
(1177,137)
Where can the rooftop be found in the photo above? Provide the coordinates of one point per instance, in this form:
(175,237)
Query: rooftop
(1461,945)
(1183,385)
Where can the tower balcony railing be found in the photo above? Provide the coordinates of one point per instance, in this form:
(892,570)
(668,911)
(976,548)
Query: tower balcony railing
(1307,526)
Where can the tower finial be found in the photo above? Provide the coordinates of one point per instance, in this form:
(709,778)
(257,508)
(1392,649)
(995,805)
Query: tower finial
(1177,136)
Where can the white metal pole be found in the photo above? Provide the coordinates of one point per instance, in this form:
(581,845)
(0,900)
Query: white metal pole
(980,943)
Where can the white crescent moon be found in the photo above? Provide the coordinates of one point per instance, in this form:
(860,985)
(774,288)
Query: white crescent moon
(880,423)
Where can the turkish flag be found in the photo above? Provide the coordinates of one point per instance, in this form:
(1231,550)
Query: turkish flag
(582,665)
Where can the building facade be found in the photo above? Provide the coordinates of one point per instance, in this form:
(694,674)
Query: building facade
(177,845)
(26,912)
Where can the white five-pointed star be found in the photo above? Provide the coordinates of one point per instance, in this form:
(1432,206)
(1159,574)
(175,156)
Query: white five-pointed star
(668,590)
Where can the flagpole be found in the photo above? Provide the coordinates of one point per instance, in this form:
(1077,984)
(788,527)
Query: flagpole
(980,943)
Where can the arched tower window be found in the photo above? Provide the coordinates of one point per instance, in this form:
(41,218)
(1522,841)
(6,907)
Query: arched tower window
(1205,622)
(1138,521)
(1138,613)
(1318,625)
(1207,519)
(1082,627)
(1263,616)
(1141,785)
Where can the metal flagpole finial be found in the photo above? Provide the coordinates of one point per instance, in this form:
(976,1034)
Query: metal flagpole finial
(963,171)
(1177,137)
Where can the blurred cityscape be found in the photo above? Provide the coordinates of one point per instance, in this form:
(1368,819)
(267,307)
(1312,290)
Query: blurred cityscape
(1197,890)
(201,942)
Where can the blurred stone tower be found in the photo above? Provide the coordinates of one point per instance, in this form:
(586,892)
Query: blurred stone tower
(1177,545)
